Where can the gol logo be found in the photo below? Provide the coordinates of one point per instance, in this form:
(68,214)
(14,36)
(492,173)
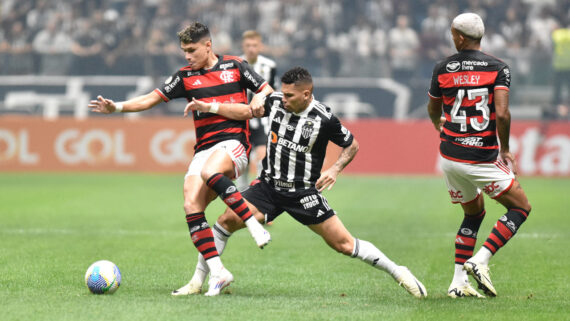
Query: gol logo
(16,145)
(455,195)
(93,146)
(273,138)
(168,147)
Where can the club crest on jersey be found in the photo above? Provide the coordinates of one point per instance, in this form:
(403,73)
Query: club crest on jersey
(307,129)
(227,76)
(452,66)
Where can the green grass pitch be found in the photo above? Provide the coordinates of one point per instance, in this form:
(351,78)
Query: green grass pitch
(53,226)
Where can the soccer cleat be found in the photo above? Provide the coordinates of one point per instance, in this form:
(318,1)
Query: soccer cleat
(188,289)
(462,290)
(409,282)
(260,235)
(219,281)
(480,272)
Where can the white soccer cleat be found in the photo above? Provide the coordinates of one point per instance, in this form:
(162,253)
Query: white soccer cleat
(188,289)
(259,234)
(409,282)
(480,272)
(219,281)
(462,291)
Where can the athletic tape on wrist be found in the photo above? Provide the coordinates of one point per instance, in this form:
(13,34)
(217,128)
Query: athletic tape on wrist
(118,107)
(214,107)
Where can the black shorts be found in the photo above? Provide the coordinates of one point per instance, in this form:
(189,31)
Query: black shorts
(307,206)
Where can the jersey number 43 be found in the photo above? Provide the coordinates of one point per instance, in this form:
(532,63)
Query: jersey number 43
(459,116)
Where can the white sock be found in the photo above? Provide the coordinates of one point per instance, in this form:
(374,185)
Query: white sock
(483,255)
(460,275)
(215,264)
(253,225)
(369,253)
(221,236)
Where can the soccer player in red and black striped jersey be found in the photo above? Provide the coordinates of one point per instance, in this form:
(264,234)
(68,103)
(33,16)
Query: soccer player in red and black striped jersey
(222,137)
(472,89)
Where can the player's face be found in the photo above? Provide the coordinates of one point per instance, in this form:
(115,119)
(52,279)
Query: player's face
(197,53)
(251,48)
(296,97)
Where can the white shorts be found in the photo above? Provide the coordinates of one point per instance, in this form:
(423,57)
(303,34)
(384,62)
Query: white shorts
(233,147)
(465,181)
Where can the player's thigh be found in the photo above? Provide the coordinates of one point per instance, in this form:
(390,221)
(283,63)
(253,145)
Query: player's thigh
(459,186)
(228,157)
(335,234)
(197,195)
(514,197)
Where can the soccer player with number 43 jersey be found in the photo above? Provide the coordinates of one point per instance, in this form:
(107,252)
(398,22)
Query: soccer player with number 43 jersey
(472,89)
(222,137)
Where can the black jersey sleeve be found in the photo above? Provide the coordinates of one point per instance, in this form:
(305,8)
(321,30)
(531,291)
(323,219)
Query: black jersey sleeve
(434,89)
(173,87)
(503,77)
(337,133)
(271,102)
(249,78)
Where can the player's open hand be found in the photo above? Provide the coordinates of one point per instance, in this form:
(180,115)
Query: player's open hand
(196,105)
(327,179)
(102,105)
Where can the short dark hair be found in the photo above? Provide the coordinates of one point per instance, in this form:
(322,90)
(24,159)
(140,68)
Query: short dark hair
(193,33)
(297,75)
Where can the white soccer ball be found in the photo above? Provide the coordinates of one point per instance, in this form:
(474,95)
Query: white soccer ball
(103,277)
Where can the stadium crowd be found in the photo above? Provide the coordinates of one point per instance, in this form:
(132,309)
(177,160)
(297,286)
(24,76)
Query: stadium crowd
(395,38)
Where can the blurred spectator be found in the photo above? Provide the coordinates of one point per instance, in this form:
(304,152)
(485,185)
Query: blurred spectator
(54,48)
(86,48)
(18,51)
(561,66)
(404,48)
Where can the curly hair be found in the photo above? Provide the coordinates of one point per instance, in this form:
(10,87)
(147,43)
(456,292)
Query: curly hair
(193,33)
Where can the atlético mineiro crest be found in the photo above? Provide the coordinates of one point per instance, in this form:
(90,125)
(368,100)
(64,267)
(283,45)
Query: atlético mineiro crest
(307,129)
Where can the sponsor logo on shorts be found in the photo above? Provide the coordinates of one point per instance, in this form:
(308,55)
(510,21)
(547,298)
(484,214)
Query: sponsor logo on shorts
(309,201)
(455,194)
(490,188)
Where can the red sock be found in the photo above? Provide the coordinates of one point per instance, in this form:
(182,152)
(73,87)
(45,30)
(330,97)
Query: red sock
(505,229)
(467,237)
(229,194)
(201,235)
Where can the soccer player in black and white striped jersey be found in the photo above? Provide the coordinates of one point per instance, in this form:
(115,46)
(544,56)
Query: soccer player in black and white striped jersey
(292,182)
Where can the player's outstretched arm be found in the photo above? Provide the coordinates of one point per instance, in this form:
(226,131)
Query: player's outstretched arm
(328,177)
(434,110)
(140,103)
(231,111)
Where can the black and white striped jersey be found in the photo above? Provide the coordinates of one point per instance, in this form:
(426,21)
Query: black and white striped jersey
(297,143)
